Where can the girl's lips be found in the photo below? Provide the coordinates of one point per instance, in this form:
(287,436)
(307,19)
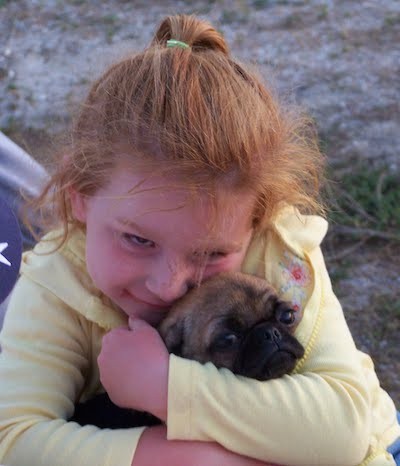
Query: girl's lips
(142,301)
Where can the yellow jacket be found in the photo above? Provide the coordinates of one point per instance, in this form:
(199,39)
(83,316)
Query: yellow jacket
(331,411)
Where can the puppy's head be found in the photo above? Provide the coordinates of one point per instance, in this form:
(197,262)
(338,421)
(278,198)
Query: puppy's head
(235,321)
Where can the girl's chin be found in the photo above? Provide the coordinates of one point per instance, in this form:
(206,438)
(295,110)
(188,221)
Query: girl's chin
(136,309)
(153,317)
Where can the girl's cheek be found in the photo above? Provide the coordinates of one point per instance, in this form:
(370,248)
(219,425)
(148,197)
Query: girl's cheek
(124,261)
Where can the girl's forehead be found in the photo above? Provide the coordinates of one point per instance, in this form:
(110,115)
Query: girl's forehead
(144,192)
(157,203)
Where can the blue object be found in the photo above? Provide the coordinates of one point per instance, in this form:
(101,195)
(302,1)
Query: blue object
(10,250)
(20,172)
(394,449)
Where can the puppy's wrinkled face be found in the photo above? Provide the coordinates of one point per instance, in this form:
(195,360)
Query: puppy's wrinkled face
(235,321)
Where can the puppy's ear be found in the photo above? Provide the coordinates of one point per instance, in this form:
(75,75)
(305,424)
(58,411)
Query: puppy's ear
(171,331)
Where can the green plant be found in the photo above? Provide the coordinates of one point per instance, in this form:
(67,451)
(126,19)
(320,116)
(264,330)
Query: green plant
(323,12)
(260,4)
(366,202)
(392,20)
(386,316)
(338,271)
(293,21)
(10,126)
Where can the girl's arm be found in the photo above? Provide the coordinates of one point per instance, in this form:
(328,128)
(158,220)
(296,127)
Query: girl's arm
(322,412)
(143,352)
(154,449)
(46,352)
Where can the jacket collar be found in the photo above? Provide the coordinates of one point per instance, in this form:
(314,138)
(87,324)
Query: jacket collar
(64,273)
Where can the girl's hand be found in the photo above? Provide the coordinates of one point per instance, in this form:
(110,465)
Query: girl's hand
(133,368)
(154,449)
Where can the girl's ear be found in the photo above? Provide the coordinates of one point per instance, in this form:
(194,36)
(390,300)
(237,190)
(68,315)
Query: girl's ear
(78,204)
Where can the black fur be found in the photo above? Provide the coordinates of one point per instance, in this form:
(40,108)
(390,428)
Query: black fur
(100,411)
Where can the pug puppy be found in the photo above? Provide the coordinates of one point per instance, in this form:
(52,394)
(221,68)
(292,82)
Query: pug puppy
(233,320)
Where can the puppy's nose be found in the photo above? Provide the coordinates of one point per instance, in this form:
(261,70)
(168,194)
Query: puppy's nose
(265,333)
(272,334)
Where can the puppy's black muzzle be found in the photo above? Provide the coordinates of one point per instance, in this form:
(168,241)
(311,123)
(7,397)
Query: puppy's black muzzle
(267,352)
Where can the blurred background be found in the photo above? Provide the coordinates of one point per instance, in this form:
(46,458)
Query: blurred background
(339,59)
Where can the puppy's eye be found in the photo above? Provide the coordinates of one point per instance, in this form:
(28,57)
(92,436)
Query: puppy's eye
(287,317)
(225,341)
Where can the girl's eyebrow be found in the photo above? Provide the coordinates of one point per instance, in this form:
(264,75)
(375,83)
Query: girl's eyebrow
(126,222)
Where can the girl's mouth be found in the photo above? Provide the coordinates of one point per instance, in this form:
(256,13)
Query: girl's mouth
(128,294)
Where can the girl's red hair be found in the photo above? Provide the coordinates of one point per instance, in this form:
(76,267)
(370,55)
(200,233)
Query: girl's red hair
(194,112)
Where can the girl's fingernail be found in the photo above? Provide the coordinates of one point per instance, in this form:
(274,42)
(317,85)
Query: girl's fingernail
(135,324)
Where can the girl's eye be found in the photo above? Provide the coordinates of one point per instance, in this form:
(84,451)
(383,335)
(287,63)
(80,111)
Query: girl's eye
(210,255)
(138,240)
(216,254)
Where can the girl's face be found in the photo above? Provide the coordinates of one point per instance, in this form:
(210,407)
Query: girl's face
(145,250)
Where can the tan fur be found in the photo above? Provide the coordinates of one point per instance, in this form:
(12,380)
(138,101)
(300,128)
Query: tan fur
(202,315)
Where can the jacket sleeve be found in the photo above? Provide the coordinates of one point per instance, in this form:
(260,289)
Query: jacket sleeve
(45,353)
(319,415)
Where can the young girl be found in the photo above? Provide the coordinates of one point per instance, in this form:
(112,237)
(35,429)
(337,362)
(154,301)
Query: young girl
(182,165)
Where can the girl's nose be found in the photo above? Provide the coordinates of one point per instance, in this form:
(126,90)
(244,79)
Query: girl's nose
(170,281)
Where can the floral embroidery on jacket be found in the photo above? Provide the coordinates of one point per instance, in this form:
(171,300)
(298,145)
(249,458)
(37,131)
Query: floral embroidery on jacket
(296,278)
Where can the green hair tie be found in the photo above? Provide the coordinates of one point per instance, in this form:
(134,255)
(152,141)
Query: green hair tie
(177,43)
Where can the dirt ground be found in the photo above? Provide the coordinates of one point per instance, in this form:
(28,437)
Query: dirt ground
(338,58)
